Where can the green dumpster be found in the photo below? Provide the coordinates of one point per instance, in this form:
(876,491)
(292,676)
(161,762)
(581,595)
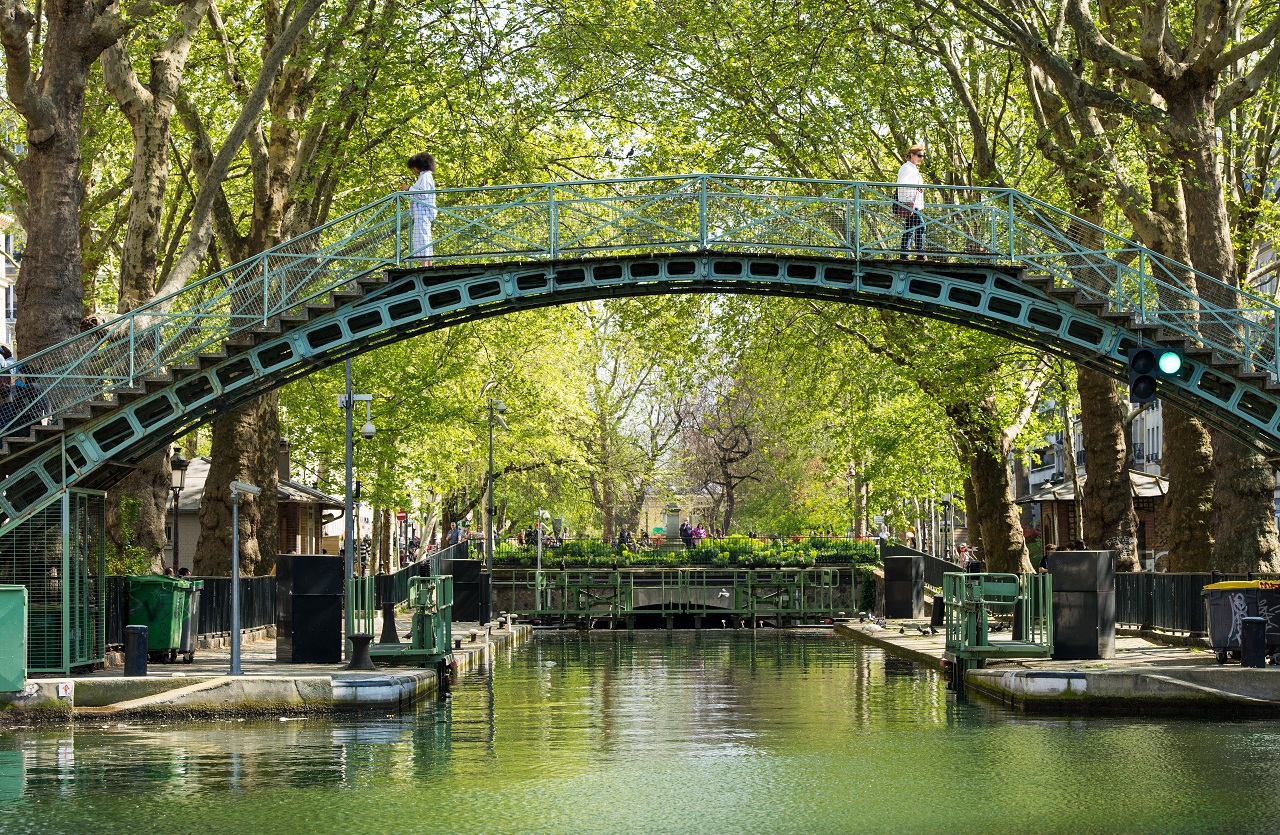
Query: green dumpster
(159,603)
(13,638)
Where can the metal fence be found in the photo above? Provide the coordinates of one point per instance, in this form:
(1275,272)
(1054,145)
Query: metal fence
(257,605)
(394,588)
(934,570)
(1167,602)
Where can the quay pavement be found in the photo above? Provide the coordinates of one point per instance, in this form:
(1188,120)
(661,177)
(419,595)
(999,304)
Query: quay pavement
(1143,678)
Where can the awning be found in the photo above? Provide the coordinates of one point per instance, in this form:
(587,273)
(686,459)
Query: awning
(1144,486)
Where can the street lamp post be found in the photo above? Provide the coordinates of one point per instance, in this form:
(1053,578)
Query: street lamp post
(537,597)
(238,489)
(347,402)
(496,410)
(178,465)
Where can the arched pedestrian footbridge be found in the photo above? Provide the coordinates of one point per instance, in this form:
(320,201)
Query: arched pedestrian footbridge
(998,260)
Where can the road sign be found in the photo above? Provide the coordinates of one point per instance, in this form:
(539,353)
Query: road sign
(401,515)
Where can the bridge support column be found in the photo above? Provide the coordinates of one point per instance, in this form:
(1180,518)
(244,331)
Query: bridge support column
(631,622)
(671,623)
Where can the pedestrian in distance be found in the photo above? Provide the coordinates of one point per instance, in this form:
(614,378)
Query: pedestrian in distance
(1049,548)
(909,204)
(422,206)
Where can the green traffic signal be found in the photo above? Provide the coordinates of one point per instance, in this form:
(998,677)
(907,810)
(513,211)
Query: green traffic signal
(1170,362)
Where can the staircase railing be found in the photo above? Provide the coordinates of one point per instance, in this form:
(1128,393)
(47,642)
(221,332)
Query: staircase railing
(685,213)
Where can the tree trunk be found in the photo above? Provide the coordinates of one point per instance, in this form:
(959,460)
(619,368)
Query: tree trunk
(730,502)
(49,289)
(988,490)
(1244,522)
(149,485)
(1107,505)
(1188,459)
(389,554)
(245,446)
(1003,548)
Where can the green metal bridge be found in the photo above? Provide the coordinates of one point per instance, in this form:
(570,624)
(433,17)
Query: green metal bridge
(1000,261)
(711,597)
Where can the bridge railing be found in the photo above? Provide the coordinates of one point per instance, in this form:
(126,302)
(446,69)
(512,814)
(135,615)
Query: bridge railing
(659,215)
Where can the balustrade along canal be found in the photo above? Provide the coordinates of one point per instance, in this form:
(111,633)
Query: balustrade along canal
(697,597)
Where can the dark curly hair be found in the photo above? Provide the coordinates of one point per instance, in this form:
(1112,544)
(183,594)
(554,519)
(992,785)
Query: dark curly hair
(423,162)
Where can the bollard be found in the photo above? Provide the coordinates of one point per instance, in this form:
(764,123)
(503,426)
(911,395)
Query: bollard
(1253,642)
(1019,621)
(938,617)
(390,635)
(135,650)
(360,659)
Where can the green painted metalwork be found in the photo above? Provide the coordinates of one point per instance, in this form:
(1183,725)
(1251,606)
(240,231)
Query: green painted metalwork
(432,625)
(59,555)
(509,248)
(361,604)
(973,601)
(741,595)
(711,213)
(13,638)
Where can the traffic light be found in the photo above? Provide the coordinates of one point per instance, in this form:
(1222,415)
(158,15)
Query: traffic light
(1143,365)
(1169,363)
(1146,367)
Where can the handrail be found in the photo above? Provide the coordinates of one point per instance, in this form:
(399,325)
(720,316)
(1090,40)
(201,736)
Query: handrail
(675,213)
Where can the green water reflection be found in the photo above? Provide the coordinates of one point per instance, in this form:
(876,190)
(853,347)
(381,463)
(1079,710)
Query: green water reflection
(656,733)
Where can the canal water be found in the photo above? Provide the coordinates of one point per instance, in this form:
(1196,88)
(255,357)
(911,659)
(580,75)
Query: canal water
(657,732)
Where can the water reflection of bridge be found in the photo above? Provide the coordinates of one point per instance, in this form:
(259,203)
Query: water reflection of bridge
(680,597)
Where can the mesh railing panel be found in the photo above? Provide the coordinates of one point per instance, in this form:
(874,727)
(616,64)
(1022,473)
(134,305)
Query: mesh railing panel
(66,613)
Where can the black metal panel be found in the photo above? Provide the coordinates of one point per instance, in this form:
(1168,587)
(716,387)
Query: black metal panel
(1084,625)
(317,629)
(904,587)
(1083,570)
(468,597)
(463,571)
(310,573)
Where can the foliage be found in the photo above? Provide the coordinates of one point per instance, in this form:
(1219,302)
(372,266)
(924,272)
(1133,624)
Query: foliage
(729,552)
(128,559)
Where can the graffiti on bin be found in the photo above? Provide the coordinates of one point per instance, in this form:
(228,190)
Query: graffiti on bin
(1238,612)
(1271,613)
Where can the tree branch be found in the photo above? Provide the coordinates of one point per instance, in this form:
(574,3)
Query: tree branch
(201,228)
(16,21)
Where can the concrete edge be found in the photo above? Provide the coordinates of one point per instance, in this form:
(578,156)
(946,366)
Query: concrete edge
(1113,692)
(48,701)
(846,630)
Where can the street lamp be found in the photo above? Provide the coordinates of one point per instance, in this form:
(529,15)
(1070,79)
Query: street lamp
(238,489)
(178,465)
(347,402)
(496,410)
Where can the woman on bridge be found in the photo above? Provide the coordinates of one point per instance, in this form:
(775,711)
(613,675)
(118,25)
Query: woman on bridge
(422,206)
(910,203)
